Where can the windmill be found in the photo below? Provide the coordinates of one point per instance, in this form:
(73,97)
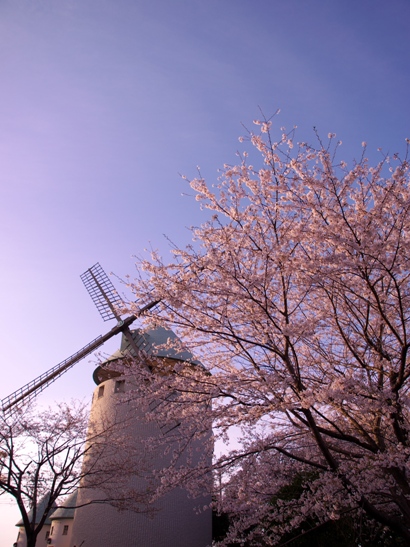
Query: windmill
(107,301)
(177,520)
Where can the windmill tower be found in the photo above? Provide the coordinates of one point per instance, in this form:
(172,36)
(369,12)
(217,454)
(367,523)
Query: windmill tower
(176,521)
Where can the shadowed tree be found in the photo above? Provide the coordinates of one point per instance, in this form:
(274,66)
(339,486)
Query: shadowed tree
(41,460)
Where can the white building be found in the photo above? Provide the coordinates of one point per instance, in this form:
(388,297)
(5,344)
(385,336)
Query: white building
(42,539)
(61,523)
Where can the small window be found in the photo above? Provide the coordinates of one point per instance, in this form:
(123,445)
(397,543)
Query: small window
(119,386)
(100,392)
(51,531)
(65,530)
(47,534)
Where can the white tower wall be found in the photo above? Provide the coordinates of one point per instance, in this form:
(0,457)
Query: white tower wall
(176,523)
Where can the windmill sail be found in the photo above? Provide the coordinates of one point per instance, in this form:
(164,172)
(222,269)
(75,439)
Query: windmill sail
(36,386)
(107,300)
(102,292)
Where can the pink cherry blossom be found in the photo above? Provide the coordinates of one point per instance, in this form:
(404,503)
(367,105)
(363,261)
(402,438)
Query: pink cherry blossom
(294,296)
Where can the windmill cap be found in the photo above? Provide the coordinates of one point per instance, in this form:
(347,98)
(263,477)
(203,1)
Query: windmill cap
(158,342)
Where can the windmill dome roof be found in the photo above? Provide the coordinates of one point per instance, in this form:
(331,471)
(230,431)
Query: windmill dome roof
(67,509)
(158,342)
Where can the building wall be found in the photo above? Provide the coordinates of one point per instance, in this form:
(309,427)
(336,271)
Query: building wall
(176,522)
(58,537)
(41,538)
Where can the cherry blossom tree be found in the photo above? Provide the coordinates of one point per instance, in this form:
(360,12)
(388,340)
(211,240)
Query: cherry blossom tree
(294,295)
(41,460)
(41,456)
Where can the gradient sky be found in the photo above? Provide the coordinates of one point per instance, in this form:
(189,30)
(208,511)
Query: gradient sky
(104,102)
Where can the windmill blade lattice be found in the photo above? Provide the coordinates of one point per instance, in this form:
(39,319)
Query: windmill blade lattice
(102,292)
(26,393)
(36,386)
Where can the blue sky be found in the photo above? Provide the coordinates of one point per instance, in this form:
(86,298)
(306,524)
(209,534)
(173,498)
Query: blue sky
(103,103)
